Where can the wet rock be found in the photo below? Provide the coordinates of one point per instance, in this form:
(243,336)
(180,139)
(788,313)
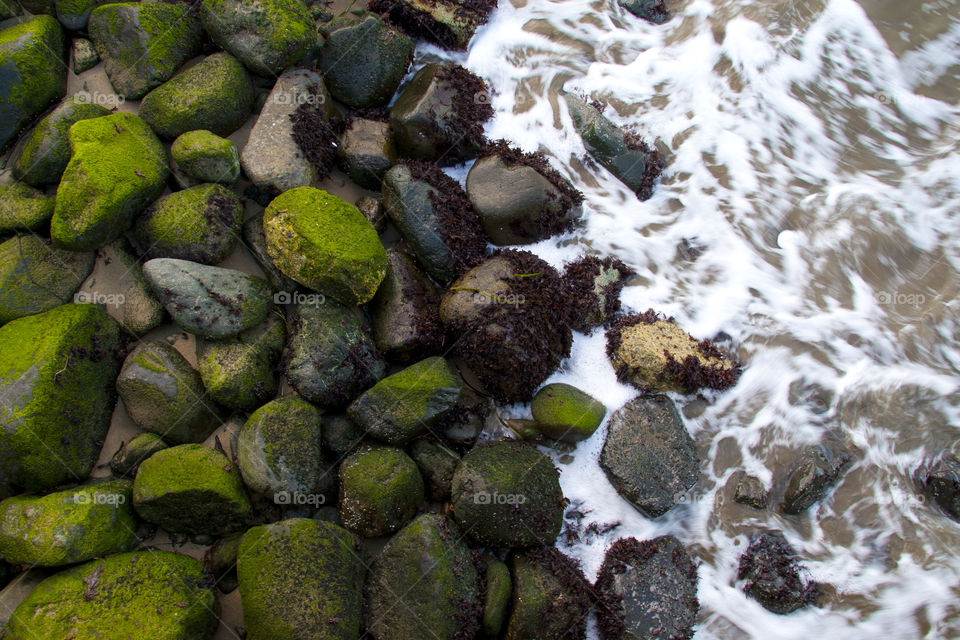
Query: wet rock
(85,56)
(366,152)
(440,115)
(372,210)
(191,488)
(201,224)
(23,208)
(210,302)
(340,435)
(265,35)
(57,372)
(163,394)
(404,405)
(330,358)
(142,44)
(496,601)
(255,240)
(654,11)
(773,576)
(428,563)
(206,157)
(68,526)
(653,353)
(436,219)
(463,423)
(45,151)
(507,494)
(647,591)
(240,373)
(300,579)
(406,320)
(325,244)
(751,492)
(940,481)
(74,14)
(621,153)
(140,311)
(116,169)
(448,23)
(131,453)
(272,159)
(215,94)
(363,59)
(144,594)
(34,71)
(551,597)
(593,290)
(36,277)
(380,490)
(437,465)
(566,413)
(814,475)
(648,456)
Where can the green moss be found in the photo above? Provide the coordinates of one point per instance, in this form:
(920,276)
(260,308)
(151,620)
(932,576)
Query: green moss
(566,413)
(207,157)
(23,208)
(153,594)
(240,373)
(496,603)
(127,459)
(380,489)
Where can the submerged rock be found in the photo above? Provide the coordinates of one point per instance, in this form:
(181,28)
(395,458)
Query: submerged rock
(131,453)
(206,157)
(405,311)
(23,208)
(814,475)
(35,277)
(551,597)
(566,413)
(773,576)
(380,490)
(751,492)
(940,481)
(366,152)
(448,23)
(654,11)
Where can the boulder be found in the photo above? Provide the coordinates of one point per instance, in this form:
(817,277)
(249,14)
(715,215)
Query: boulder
(814,474)
(131,453)
(74,14)
(35,277)
(23,208)
(773,576)
(551,597)
(437,465)
(380,490)
(566,413)
(448,23)
(366,152)
(206,157)
(405,311)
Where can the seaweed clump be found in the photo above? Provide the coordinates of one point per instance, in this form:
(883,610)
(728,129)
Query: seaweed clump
(653,166)
(593,297)
(772,574)
(468,14)
(470,111)
(316,134)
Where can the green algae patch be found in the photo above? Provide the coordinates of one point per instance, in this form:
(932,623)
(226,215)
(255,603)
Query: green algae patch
(35,277)
(566,413)
(205,156)
(380,489)
(23,208)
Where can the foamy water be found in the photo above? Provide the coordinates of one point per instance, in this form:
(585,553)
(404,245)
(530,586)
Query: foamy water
(812,152)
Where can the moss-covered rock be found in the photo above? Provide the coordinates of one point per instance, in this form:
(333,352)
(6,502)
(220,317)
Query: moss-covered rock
(68,526)
(300,579)
(256,241)
(57,372)
(404,405)
(325,244)
(222,561)
(149,594)
(507,494)
(566,413)
(366,152)
(8,9)
(131,453)
(437,464)
(239,373)
(74,14)
(45,151)
(116,169)
(34,71)
(163,394)
(206,157)
(216,95)
(85,56)
(201,224)
(496,600)
(593,290)
(405,315)
(266,35)
(142,44)
(551,597)
(380,490)
(448,23)
(36,277)
(23,208)
(432,568)
(191,489)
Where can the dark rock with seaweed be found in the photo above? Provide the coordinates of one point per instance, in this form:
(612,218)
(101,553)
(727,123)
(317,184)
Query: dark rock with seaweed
(593,290)
(551,597)
(448,23)
(773,575)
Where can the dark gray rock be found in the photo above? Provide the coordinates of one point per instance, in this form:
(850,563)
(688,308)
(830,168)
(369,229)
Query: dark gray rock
(940,481)
(372,210)
(751,492)
(366,152)
(773,576)
(406,320)
(437,465)
(654,11)
(340,435)
(814,475)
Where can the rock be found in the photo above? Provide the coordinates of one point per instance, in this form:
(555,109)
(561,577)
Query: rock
(279,451)
(406,320)
(647,591)
(210,302)
(68,526)
(466,420)
(330,358)
(648,456)
(116,169)
(191,488)
(163,394)
(751,492)
(551,597)
(57,372)
(654,11)
(128,457)
(496,601)
(142,44)
(34,72)
(940,482)
(655,354)
(18,589)
(366,152)
(140,311)
(272,159)
(436,219)
(773,576)
(380,490)
(240,373)
(340,435)
(45,151)
(593,290)
(621,153)
(35,277)
(223,562)
(814,474)
(265,35)
(372,210)
(404,405)
(437,465)
(23,208)
(85,56)
(566,413)
(206,157)
(201,224)
(300,579)
(520,198)
(429,564)
(440,115)
(507,494)
(325,244)
(146,594)
(36,7)
(448,23)
(74,14)
(256,241)
(215,94)
(363,59)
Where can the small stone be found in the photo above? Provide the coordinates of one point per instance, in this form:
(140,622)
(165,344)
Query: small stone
(366,152)
(128,457)
(372,210)
(341,436)
(773,576)
(140,312)
(380,490)
(814,475)
(36,277)
(496,603)
(751,492)
(85,56)
(566,413)
(437,465)
(206,157)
